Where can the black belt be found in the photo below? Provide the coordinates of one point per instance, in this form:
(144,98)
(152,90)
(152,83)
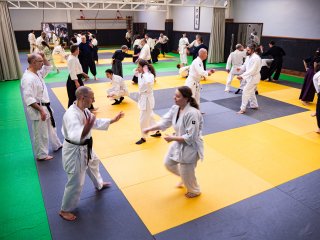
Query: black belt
(87,142)
(53,123)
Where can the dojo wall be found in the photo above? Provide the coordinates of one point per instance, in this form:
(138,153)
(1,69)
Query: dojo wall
(292,24)
(109,32)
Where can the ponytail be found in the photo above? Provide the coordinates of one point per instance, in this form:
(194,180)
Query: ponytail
(193,103)
(186,92)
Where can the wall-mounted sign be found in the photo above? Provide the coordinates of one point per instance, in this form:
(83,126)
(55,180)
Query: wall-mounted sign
(196,18)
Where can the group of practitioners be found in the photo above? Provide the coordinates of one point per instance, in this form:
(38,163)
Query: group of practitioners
(185,117)
(78,158)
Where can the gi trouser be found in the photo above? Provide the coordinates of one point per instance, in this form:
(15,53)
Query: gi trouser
(249,96)
(187,173)
(146,119)
(43,132)
(76,179)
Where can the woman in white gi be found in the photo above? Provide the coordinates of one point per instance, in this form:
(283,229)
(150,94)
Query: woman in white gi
(183,43)
(187,146)
(77,155)
(146,73)
(251,76)
(118,88)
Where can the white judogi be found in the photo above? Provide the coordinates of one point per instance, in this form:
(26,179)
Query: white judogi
(34,90)
(196,71)
(184,71)
(39,43)
(32,42)
(58,50)
(251,76)
(137,43)
(235,60)
(183,42)
(94,42)
(48,55)
(118,88)
(146,100)
(316,81)
(182,158)
(151,43)
(164,39)
(74,67)
(75,157)
(145,53)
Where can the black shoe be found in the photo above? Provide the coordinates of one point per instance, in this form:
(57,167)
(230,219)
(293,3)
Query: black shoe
(238,91)
(121,99)
(257,93)
(116,102)
(157,134)
(142,140)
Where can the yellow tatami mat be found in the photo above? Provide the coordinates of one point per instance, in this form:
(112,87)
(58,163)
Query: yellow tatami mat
(239,163)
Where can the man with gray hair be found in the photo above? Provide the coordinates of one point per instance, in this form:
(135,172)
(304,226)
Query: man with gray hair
(77,155)
(196,71)
(235,60)
(36,98)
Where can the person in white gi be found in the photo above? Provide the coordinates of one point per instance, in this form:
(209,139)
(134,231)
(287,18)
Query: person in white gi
(118,88)
(149,41)
(187,146)
(197,71)
(77,155)
(39,41)
(145,51)
(235,60)
(183,44)
(251,76)
(47,52)
(163,40)
(146,73)
(183,70)
(60,52)
(196,42)
(36,98)
(32,41)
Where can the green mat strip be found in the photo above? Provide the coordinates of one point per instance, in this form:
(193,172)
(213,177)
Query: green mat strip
(22,212)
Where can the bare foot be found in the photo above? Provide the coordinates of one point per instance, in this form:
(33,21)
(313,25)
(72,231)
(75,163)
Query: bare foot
(68,216)
(241,112)
(45,159)
(192,195)
(180,185)
(318,131)
(313,114)
(304,103)
(105,185)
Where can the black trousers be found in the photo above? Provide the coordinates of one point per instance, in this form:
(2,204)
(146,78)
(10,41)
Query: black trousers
(318,110)
(276,67)
(71,90)
(89,64)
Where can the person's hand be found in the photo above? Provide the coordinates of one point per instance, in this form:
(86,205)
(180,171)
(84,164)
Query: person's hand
(239,77)
(43,115)
(90,121)
(42,54)
(117,118)
(168,138)
(145,69)
(228,71)
(77,84)
(238,69)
